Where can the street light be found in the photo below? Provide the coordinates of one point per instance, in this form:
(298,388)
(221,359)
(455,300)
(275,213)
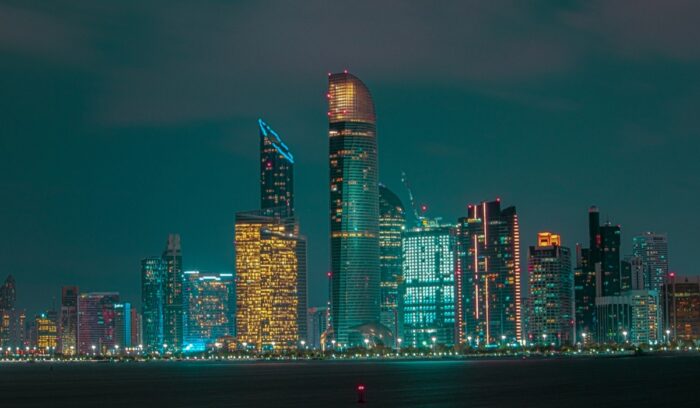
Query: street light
(366,342)
(93,349)
(624,334)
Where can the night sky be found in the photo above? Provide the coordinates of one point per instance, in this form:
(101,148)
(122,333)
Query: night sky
(122,122)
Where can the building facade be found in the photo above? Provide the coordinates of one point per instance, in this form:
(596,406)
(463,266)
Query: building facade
(266,283)
(46,325)
(96,322)
(68,322)
(682,297)
(208,316)
(652,249)
(173,310)
(354,208)
(392,222)
(153,271)
(551,303)
(429,256)
(489,274)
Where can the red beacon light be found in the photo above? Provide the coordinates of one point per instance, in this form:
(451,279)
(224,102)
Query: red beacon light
(361,394)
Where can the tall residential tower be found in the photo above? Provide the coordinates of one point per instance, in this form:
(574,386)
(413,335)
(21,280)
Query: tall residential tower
(354,207)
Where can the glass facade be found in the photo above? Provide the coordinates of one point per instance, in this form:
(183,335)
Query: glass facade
(551,303)
(96,325)
(429,279)
(354,208)
(392,221)
(173,316)
(652,248)
(68,325)
(266,283)
(152,302)
(276,173)
(208,315)
(47,331)
(489,274)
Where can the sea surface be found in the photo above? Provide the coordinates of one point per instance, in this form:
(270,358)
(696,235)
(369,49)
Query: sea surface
(650,381)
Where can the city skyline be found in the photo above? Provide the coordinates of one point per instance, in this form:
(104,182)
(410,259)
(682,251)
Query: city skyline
(90,182)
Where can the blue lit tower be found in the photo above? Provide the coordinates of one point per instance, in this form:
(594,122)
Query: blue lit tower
(354,207)
(277,199)
(152,302)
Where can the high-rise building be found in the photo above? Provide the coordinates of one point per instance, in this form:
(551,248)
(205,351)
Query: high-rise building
(207,308)
(652,248)
(136,329)
(633,317)
(354,208)
(173,316)
(68,324)
(392,221)
(318,323)
(610,278)
(632,273)
(489,274)
(96,326)
(153,271)
(276,173)
(682,295)
(551,303)
(585,278)
(266,282)
(122,325)
(8,315)
(47,331)
(429,277)
(277,199)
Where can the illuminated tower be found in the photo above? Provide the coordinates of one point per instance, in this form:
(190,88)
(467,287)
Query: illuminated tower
(392,220)
(152,302)
(277,199)
(266,282)
(587,268)
(551,291)
(96,322)
(610,278)
(68,323)
(354,207)
(276,173)
(207,315)
(429,295)
(173,305)
(489,239)
(652,248)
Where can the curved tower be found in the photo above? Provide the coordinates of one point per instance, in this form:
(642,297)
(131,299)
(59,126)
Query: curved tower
(354,207)
(276,173)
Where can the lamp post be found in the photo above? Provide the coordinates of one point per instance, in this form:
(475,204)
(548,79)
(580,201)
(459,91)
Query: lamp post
(366,342)
(624,335)
(398,345)
(93,350)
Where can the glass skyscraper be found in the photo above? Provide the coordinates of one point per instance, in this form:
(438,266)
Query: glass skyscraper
(652,248)
(392,221)
(152,302)
(208,308)
(551,292)
(68,322)
(587,268)
(173,317)
(429,279)
(96,325)
(489,274)
(354,208)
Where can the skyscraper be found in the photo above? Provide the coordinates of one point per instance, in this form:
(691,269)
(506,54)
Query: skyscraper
(652,248)
(8,314)
(276,173)
(122,325)
(392,221)
(173,317)
(277,199)
(96,326)
(551,291)
(68,323)
(429,275)
(610,278)
(587,269)
(683,299)
(354,207)
(266,282)
(46,331)
(152,302)
(489,269)
(207,308)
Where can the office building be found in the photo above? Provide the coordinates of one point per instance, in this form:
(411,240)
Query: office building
(122,325)
(173,317)
(318,323)
(208,316)
(266,282)
(551,303)
(652,248)
(68,323)
(489,275)
(153,271)
(632,317)
(354,209)
(682,297)
(46,326)
(96,325)
(429,277)
(392,221)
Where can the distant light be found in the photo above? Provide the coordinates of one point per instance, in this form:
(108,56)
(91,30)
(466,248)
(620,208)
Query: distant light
(360,387)
(345,71)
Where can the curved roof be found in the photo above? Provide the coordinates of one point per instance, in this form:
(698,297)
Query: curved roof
(389,202)
(349,99)
(267,132)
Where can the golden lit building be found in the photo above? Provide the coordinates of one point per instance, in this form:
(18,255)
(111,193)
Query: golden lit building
(46,331)
(266,282)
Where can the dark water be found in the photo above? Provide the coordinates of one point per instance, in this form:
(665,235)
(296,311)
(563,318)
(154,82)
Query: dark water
(656,381)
